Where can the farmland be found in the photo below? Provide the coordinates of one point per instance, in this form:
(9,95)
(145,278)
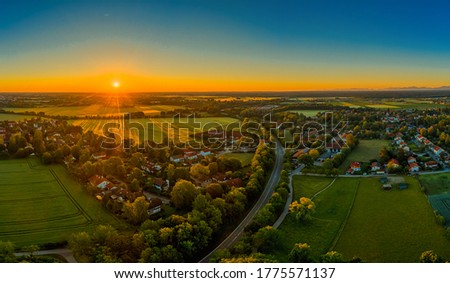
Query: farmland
(96,110)
(244,158)
(437,187)
(43,204)
(391,226)
(14,117)
(332,207)
(156,129)
(307,113)
(436,184)
(364,152)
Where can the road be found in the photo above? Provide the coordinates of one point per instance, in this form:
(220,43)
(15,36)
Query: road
(263,199)
(66,253)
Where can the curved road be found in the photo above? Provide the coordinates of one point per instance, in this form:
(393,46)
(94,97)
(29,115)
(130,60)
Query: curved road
(263,199)
(65,253)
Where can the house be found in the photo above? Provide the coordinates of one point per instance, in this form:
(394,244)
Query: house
(354,167)
(414,167)
(236,182)
(412,159)
(99,182)
(155,206)
(420,138)
(431,165)
(447,160)
(437,150)
(394,163)
(159,184)
(205,153)
(190,155)
(177,158)
(300,152)
(375,166)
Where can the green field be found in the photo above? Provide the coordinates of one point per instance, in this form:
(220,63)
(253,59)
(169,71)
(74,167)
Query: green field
(437,187)
(332,207)
(96,109)
(436,184)
(245,158)
(307,113)
(14,117)
(364,152)
(43,204)
(391,226)
(156,129)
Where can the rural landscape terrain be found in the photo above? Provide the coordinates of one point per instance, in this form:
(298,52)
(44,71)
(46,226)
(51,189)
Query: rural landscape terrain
(225,177)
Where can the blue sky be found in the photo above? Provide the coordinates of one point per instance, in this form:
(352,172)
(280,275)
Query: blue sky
(272,44)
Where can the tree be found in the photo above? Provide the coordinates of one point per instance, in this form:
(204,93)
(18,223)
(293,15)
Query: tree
(215,190)
(266,239)
(81,245)
(88,169)
(332,257)
(430,257)
(136,212)
(213,168)
(303,209)
(183,194)
(134,186)
(300,253)
(314,153)
(306,159)
(7,252)
(200,172)
(47,158)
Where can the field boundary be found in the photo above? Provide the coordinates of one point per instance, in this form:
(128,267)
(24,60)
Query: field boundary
(324,189)
(344,223)
(72,199)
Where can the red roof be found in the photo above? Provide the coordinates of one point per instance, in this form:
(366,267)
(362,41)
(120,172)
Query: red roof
(355,165)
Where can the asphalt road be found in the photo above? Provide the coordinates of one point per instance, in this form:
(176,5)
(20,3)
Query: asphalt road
(263,199)
(66,253)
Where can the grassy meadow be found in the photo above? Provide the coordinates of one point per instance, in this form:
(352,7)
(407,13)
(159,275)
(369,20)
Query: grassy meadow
(364,152)
(391,226)
(43,204)
(244,158)
(332,207)
(157,129)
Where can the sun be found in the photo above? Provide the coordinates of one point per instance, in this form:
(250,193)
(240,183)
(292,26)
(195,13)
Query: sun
(116,84)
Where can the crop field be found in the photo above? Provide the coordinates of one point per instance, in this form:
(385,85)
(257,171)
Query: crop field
(43,204)
(244,158)
(364,152)
(436,184)
(332,207)
(157,129)
(96,109)
(13,117)
(307,113)
(391,226)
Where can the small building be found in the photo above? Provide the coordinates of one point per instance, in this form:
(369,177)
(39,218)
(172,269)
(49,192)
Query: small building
(159,184)
(387,187)
(403,186)
(431,164)
(375,166)
(155,206)
(355,166)
(412,159)
(413,167)
(437,150)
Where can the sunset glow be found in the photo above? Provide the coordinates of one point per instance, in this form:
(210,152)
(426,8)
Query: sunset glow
(219,46)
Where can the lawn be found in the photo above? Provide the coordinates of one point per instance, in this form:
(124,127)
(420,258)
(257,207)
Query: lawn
(43,204)
(245,158)
(332,207)
(391,226)
(436,184)
(157,129)
(364,152)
